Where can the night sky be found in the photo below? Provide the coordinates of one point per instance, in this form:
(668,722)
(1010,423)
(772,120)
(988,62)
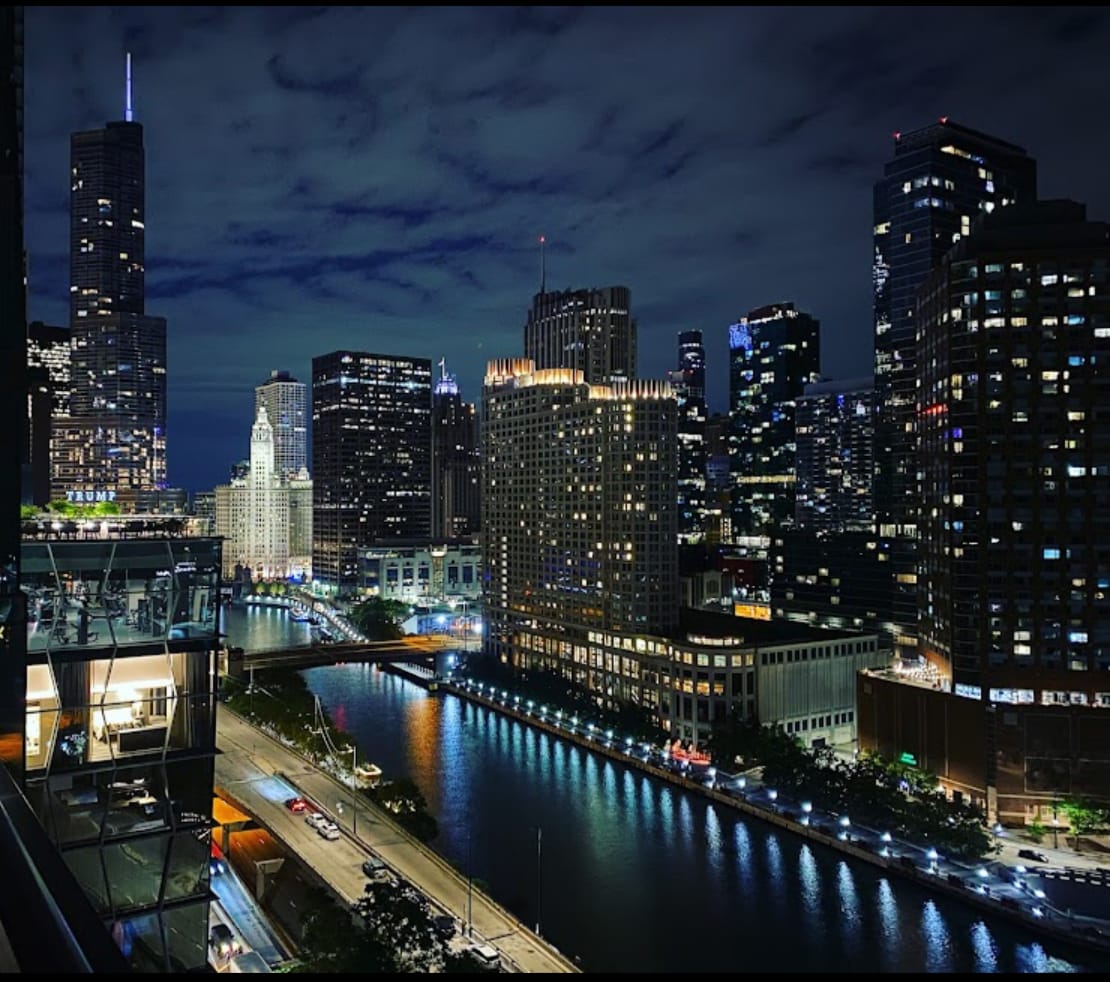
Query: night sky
(377,178)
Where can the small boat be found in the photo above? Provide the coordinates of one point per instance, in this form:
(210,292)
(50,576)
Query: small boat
(368,775)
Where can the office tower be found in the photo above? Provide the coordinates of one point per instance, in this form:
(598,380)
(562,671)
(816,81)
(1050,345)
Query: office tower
(836,436)
(371,457)
(775,352)
(286,403)
(204,511)
(688,383)
(115,437)
(1014,561)
(718,481)
(591,331)
(579,517)
(265,517)
(119,730)
(939,180)
(456,464)
(48,365)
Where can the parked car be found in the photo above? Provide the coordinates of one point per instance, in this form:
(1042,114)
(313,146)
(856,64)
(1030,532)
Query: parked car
(296,804)
(1037,857)
(223,942)
(485,955)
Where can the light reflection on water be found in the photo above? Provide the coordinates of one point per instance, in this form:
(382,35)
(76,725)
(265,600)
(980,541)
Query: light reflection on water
(641,876)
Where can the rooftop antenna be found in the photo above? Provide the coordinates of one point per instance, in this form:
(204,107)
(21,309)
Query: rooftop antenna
(128,112)
(543,264)
(443,368)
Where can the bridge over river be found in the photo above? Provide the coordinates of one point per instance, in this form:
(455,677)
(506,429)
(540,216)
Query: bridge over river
(411,648)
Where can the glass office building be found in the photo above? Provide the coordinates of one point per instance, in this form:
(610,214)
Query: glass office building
(119,734)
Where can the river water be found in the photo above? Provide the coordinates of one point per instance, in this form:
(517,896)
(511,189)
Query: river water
(631,874)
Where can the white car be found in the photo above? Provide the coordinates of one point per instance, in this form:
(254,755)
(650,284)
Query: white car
(329,830)
(315,819)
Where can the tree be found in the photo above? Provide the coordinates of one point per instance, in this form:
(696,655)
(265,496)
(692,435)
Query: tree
(374,618)
(403,798)
(29,511)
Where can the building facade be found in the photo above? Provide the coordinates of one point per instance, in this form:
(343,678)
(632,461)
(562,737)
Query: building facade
(371,457)
(263,516)
(1014,566)
(286,403)
(456,462)
(591,331)
(836,439)
(579,517)
(115,436)
(688,383)
(422,573)
(774,352)
(48,360)
(940,179)
(119,735)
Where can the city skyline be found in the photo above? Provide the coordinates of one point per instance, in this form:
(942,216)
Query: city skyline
(397,208)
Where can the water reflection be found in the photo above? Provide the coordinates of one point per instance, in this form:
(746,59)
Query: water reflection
(640,876)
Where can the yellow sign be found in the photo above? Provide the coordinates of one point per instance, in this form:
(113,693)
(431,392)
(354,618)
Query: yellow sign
(758,612)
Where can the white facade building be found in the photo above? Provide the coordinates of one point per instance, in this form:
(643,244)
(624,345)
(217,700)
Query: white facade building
(265,518)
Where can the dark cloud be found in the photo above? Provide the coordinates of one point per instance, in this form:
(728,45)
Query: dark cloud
(378,177)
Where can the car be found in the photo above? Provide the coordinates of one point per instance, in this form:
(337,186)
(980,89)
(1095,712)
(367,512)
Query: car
(485,955)
(1037,857)
(296,804)
(329,831)
(223,942)
(315,819)
(372,866)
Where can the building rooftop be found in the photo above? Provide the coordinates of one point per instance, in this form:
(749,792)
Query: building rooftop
(712,624)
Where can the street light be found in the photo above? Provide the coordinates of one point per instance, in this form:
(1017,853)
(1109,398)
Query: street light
(354,806)
(539,874)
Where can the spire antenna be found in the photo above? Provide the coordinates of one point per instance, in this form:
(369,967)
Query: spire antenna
(543,263)
(128,112)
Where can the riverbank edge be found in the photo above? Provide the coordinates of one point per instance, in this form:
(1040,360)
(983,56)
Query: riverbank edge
(387,819)
(927,881)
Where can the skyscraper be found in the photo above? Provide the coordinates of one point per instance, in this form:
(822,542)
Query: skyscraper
(591,331)
(836,437)
(456,471)
(115,437)
(260,514)
(579,518)
(371,457)
(775,352)
(1014,581)
(941,178)
(48,361)
(286,403)
(688,383)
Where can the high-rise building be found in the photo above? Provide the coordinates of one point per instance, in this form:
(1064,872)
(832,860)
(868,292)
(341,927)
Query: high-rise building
(48,363)
(579,517)
(456,464)
(591,331)
(775,352)
(836,439)
(371,457)
(718,481)
(688,383)
(115,436)
(940,179)
(1014,531)
(286,403)
(261,515)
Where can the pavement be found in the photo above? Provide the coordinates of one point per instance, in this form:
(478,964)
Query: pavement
(258,771)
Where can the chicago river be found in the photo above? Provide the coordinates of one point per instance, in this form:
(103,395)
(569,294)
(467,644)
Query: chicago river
(631,874)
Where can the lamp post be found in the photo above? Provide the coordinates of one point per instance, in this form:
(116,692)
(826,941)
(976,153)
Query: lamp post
(469,884)
(1055,825)
(354,801)
(539,875)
